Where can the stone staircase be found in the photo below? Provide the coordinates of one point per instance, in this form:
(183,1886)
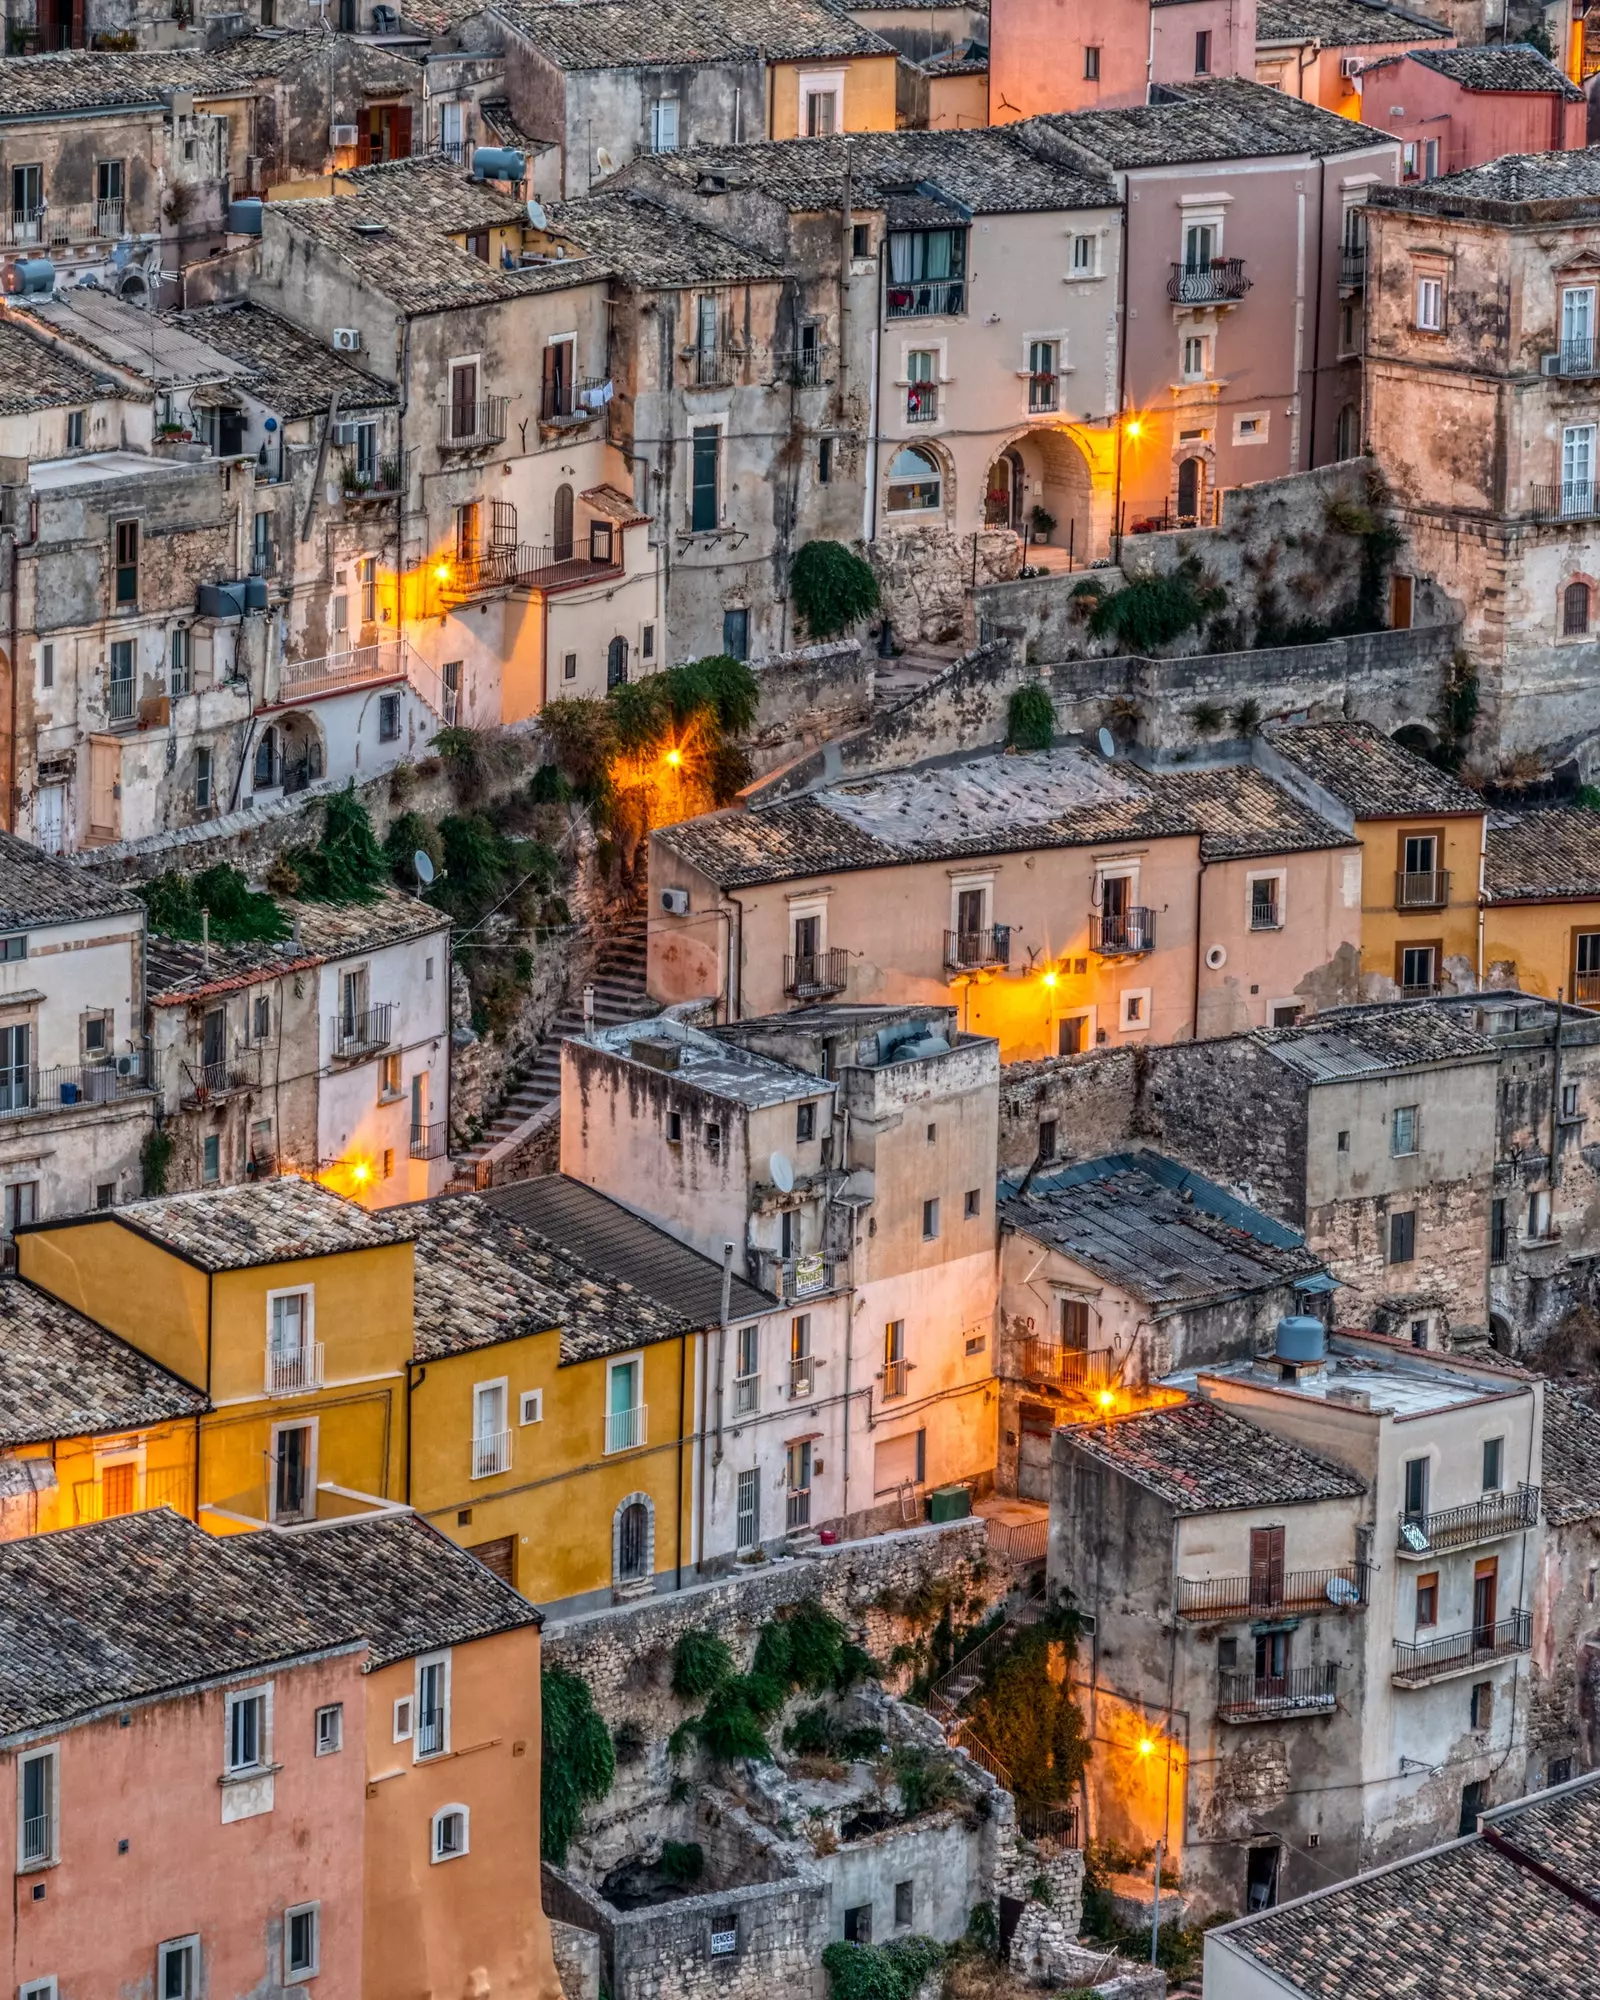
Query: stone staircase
(965,1677)
(619,995)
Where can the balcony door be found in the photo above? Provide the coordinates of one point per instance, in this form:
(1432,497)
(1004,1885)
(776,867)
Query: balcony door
(1577,468)
(1485,1596)
(1266,1567)
(1577,327)
(970,905)
(1199,245)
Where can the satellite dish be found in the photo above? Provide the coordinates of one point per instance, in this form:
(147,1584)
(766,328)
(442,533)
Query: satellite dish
(536,214)
(782,1171)
(423,866)
(603,160)
(1107,742)
(1342,1591)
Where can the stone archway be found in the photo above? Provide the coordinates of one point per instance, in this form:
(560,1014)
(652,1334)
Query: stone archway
(1056,476)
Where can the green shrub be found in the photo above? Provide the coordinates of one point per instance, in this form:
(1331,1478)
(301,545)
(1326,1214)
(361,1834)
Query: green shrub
(1152,612)
(701,1662)
(983,1930)
(817,1732)
(732,1724)
(925,1782)
(577,1762)
(1207,717)
(155,1157)
(1030,718)
(411,834)
(1247,716)
(237,914)
(346,865)
(832,588)
(890,1971)
(682,1861)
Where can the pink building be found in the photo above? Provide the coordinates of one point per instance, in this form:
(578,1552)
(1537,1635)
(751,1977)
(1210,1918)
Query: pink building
(1457,108)
(1070,55)
(1317,49)
(1244,265)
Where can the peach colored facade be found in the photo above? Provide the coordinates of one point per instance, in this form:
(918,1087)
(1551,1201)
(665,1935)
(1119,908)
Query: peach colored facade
(1315,72)
(1422,108)
(1068,55)
(157,1784)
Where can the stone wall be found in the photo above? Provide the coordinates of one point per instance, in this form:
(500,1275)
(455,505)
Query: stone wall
(925,575)
(1092,1098)
(809,696)
(577,1956)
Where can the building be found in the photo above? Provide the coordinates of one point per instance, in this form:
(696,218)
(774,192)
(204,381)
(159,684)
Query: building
(1564,1711)
(1319,49)
(1508,534)
(289,1307)
(1243,332)
(1110,62)
(1508,1909)
(325,1053)
(1113,1273)
(1066,902)
(1541,901)
(1456,108)
(300,1704)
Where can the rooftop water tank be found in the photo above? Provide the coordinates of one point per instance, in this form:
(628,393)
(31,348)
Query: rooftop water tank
(497,163)
(33,276)
(244,217)
(1301,1338)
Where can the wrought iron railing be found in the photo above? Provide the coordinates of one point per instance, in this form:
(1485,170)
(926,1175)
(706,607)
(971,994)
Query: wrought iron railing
(1221,280)
(465,425)
(291,1371)
(524,565)
(797,1508)
(922,403)
(24,1089)
(1044,392)
(794,1277)
(1046,1360)
(809,975)
(1340,1589)
(1586,988)
(1266,915)
(746,1395)
(205,1081)
(574,403)
(430,1142)
(712,367)
(38,1840)
(53,227)
(491,1453)
(1125,933)
(1421,888)
(430,1732)
(1578,357)
(937,298)
(801,367)
(802,1373)
(119,701)
(1249,1697)
(362,1033)
(1353,264)
(1479,1646)
(969,950)
(1485,1520)
(896,1378)
(1570,500)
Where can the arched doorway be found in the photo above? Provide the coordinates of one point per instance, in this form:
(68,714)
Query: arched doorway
(265,774)
(561,535)
(299,751)
(616,662)
(1002,501)
(1191,491)
(633,1541)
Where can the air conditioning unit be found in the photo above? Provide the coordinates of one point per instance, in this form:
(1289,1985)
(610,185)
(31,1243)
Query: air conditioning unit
(1550,364)
(346,135)
(675,902)
(1351,66)
(127,1065)
(346,433)
(347,340)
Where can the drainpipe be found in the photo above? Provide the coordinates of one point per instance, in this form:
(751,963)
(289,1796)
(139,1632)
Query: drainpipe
(1555,1102)
(722,1348)
(846,234)
(1199,947)
(1316,323)
(12,567)
(1115,549)
(683,1389)
(849,1326)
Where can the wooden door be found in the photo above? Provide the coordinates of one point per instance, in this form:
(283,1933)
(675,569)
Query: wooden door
(1266,1567)
(498,1555)
(105,788)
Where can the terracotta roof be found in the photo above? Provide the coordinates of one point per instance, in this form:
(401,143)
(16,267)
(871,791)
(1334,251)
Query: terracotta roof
(622,34)
(266,1222)
(285,368)
(613,505)
(1551,856)
(1372,776)
(655,246)
(1517,181)
(1571,1455)
(64,1376)
(36,375)
(1499,66)
(1342,24)
(1202,1459)
(1215,118)
(1367,1041)
(72,80)
(40,888)
(179,969)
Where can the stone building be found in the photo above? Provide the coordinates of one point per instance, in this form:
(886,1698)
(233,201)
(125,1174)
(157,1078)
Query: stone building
(1564,1708)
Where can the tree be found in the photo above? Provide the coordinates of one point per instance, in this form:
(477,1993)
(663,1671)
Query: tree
(832,588)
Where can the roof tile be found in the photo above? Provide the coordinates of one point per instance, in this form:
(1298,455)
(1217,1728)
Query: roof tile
(1202,1459)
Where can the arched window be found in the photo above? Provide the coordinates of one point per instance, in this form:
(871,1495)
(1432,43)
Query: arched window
(1575,609)
(915,485)
(561,550)
(1191,484)
(1347,435)
(452,1827)
(616,662)
(266,771)
(634,1554)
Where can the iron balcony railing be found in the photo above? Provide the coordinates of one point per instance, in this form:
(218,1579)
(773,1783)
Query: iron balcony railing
(363,1033)
(797,1508)
(800,367)
(205,1081)
(1215,283)
(712,367)
(922,403)
(466,425)
(626,1430)
(1122,935)
(166,1486)
(523,566)
(430,1142)
(1577,357)
(936,298)
(291,1371)
(1353,264)
(809,975)
(53,227)
(264,559)
(966,951)
(1044,392)
(1485,1520)
(794,1277)
(746,1395)
(430,1732)
(1266,916)
(1020,1542)
(802,1373)
(1570,500)
(119,701)
(1248,1697)
(1421,888)
(1340,1589)
(1586,988)
(1420,989)
(1479,1646)
(491,1453)
(574,402)
(38,1840)
(896,1378)
(1043,1360)
(24,1089)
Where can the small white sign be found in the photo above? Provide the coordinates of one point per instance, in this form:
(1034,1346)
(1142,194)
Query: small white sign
(723,1942)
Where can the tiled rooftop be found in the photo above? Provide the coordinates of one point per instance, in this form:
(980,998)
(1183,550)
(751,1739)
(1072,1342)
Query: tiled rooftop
(1542,857)
(1342,24)
(40,888)
(74,80)
(1216,118)
(63,1376)
(179,969)
(1202,1459)
(621,34)
(1395,1378)
(1501,187)
(1366,1041)
(266,1222)
(1499,66)
(1571,1455)
(1372,776)
(655,246)
(283,367)
(36,375)
(1142,1222)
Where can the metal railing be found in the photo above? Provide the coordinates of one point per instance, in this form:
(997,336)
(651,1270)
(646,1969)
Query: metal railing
(1130,932)
(799,367)
(1586,987)
(1353,264)
(1341,1589)
(38,1840)
(1045,1360)
(746,1395)
(361,1034)
(712,367)
(119,699)
(797,1508)
(1578,357)
(24,1089)
(430,1732)
(523,565)
(53,227)
(810,974)
(167,1486)
(1248,1697)
(922,403)
(936,298)
(1485,1520)
(491,1453)
(430,1142)
(794,1277)
(291,1371)
(1208,284)
(1044,392)
(802,1373)
(264,559)
(1048,1826)
(1266,916)
(1421,888)
(896,1378)
(626,1430)
(1479,1646)
(964,950)
(1020,1542)
(333,673)
(1570,500)
(203,1081)
(576,403)
(464,425)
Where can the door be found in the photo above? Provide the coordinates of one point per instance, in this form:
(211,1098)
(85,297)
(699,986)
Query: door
(15,1078)
(1191,484)
(464,399)
(798,1481)
(1037,1427)
(1199,245)
(1272,1665)
(214,1048)
(1075,1325)
(292,1485)
(499,1556)
(1577,468)
(27,197)
(117,1489)
(108,194)
(450,132)
(557,401)
(50,818)
(969,923)
(1266,1567)
(616,662)
(1485,1593)
(1577,329)
(491,1436)
(105,787)
(633,1543)
(561,525)
(430,1725)
(705,501)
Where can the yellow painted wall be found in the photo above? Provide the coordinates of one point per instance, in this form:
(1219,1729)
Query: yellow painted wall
(164,1478)
(360,1445)
(869,100)
(361,1314)
(957,103)
(1383,927)
(561,1491)
(1536,938)
(140,1291)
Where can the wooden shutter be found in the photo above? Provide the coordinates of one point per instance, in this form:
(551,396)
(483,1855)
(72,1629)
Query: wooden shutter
(400,132)
(500,1556)
(1266,1566)
(894,1462)
(105,787)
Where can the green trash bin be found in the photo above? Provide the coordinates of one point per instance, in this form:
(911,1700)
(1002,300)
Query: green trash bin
(949,1503)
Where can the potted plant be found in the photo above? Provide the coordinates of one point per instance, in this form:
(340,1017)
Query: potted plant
(1043,523)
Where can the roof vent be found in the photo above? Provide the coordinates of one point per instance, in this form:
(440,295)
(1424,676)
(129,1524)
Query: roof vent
(370,228)
(656,1052)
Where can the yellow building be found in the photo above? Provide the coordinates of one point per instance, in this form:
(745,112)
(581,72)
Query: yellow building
(1541,894)
(89,1427)
(1422,842)
(288,1308)
(554,1402)
(831,92)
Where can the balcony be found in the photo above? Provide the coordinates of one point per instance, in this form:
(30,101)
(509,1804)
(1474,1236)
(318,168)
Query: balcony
(1266,916)
(896,1378)
(1044,394)
(1353,265)
(813,975)
(626,1430)
(491,1453)
(38,1844)
(1460,1652)
(24,1090)
(430,1732)
(1313,1590)
(362,1033)
(1571,500)
(54,228)
(204,1082)
(802,1374)
(292,1371)
(574,403)
(430,1142)
(711,367)
(1487,1520)
(746,1395)
(470,426)
(119,700)
(970,951)
(1421,888)
(798,367)
(936,298)
(521,566)
(1070,1368)
(1221,282)
(797,1509)
(1123,934)
(167,1486)
(1586,988)
(1303,1691)
(922,403)
(264,559)
(1574,358)
(794,1277)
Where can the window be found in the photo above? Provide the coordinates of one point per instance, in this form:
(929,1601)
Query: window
(861,239)
(674,1128)
(821,119)
(1430,305)
(927,269)
(705,505)
(1575,610)
(178,1969)
(748,1525)
(805,1123)
(1482,1710)
(904,1905)
(432,1737)
(1416,1488)
(36,1809)
(713,1137)
(1403,1130)
(294,1472)
(1499,1234)
(736,632)
(625,1414)
(121,692)
(922,390)
(1417,963)
(74,430)
(463,399)
(491,1435)
(1194,356)
(1047,1138)
(895,1366)
(972,1203)
(1264,907)
(1072,1318)
(247,1732)
(202,780)
(1428,1599)
(1091,63)
(1347,432)
(569,666)
(647,643)
(747,1370)
(930,1220)
(210,1160)
(1569,1100)
(858,1924)
(664,125)
(46,1989)
(449,1833)
(47,666)
(1252,429)
(21,1204)
(1136,1008)
(1044,375)
(1403,1237)
(302,1942)
(1202,52)
(1560,1771)
(404,1719)
(105,1194)
(915,483)
(330,1728)
(126,568)
(1493,1468)
(1419,1333)
(388,718)
(1539,1214)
